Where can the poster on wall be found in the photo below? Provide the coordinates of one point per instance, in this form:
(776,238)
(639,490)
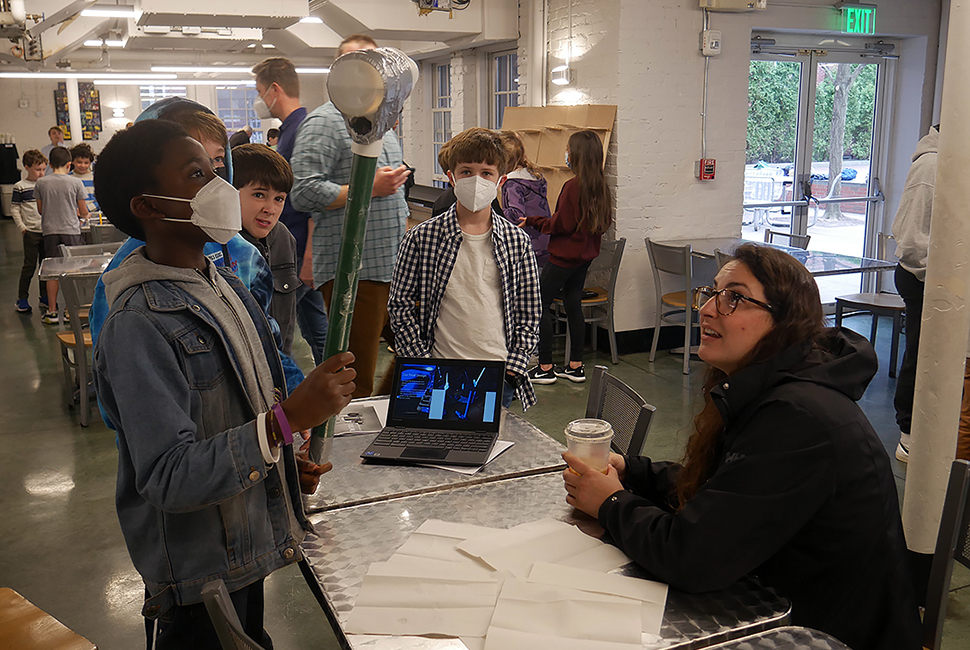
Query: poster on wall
(61,111)
(89,99)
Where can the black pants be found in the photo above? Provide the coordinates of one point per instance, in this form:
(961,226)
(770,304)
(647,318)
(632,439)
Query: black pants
(553,280)
(33,254)
(911,291)
(189,626)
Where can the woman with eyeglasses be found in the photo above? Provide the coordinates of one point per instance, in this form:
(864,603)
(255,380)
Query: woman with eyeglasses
(783,478)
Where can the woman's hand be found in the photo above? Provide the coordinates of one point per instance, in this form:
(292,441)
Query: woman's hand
(309,471)
(617,461)
(586,487)
(323,394)
(521,223)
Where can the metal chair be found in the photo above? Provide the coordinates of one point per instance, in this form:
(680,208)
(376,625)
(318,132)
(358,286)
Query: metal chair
(90,249)
(676,307)
(721,257)
(76,344)
(224,618)
(598,309)
(798,241)
(952,543)
(629,414)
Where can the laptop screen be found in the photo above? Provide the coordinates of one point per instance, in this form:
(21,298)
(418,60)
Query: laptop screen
(447,394)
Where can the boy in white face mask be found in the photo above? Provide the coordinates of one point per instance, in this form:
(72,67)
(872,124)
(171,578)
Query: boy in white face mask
(187,369)
(466,285)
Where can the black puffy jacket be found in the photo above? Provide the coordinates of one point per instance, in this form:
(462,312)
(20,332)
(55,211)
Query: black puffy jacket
(802,496)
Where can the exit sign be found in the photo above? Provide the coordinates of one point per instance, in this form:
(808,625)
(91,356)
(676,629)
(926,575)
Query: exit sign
(858,19)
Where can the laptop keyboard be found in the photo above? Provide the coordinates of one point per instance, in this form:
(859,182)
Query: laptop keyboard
(453,440)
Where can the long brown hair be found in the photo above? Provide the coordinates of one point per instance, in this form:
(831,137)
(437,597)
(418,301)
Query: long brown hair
(586,162)
(797,314)
(515,152)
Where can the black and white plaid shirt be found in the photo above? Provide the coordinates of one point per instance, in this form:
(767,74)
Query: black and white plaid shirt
(424,265)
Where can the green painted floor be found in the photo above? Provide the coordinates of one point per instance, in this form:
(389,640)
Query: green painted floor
(61,546)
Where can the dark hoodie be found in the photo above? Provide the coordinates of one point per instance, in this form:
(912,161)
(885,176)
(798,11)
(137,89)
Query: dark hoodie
(802,496)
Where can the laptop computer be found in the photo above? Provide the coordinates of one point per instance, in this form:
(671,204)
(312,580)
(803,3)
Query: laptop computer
(444,411)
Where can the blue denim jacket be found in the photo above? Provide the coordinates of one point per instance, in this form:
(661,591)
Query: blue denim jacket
(194,497)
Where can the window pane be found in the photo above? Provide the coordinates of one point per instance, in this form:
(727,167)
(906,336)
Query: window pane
(447,117)
(501,73)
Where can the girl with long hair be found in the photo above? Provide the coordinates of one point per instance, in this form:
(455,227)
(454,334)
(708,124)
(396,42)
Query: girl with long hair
(583,213)
(783,478)
(524,193)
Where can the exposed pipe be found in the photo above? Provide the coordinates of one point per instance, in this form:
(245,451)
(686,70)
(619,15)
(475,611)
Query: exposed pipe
(19,11)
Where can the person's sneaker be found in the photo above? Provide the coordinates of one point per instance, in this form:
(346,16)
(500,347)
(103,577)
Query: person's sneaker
(902,448)
(51,318)
(42,303)
(539,376)
(66,318)
(577,375)
(23,306)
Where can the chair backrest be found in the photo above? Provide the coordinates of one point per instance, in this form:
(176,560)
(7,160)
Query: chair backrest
(90,249)
(604,269)
(629,414)
(78,292)
(721,257)
(675,260)
(224,618)
(883,241)
(953,543)
(798,241)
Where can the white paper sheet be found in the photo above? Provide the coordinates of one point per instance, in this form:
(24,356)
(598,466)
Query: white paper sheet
(501,539)
(652,594)
(554,547)
(530,616)
(497,448)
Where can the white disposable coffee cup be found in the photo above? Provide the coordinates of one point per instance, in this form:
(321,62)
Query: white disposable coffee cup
(589,440)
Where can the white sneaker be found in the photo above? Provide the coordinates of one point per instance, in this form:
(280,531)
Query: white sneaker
(902,449)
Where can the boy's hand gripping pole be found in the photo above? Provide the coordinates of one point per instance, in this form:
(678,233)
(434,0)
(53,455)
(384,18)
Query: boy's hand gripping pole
(368,87)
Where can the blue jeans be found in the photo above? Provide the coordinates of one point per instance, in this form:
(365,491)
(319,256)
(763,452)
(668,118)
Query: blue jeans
(311,317)
(507,396)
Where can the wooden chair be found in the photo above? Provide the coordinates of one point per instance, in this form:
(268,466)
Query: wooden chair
(76,344)
(25,626)
(629,414)
(224,618)
(952,543)
(598,309)
(798,241)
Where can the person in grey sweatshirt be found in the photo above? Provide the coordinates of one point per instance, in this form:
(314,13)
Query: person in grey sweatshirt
(911,228)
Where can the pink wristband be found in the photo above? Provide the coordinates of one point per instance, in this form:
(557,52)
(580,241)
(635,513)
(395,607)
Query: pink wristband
(284,424)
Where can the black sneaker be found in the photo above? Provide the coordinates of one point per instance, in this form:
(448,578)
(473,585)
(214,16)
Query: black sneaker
(539,376)
(577,375)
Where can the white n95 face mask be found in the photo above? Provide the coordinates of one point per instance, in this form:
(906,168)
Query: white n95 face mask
(475,193)
(215,209)
(262,110)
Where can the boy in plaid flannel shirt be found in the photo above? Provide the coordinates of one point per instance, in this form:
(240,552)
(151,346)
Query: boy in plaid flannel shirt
(466,284)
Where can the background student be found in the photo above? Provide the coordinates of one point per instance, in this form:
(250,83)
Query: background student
(583,213)
(27,218)
(60,199)
(524,193)
(81,159)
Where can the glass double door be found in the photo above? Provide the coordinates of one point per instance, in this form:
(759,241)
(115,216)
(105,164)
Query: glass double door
(812,151)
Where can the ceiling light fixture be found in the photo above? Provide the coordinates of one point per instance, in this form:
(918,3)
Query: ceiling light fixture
(311,20)
(203,69)
(178,82)
(87,75)
(107,43)
(110,11)
(313,70)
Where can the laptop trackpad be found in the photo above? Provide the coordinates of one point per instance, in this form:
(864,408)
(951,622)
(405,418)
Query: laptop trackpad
(430,453)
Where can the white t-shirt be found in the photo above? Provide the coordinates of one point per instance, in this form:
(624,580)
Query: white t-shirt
(470,321)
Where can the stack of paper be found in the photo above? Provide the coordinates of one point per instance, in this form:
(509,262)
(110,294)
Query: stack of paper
(539,585)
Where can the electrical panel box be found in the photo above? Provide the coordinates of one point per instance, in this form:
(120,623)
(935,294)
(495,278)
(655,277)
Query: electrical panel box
(705,169)
(733,5)
(711,42)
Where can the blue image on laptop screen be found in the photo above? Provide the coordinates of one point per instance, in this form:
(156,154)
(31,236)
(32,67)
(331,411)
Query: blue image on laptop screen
(447,393)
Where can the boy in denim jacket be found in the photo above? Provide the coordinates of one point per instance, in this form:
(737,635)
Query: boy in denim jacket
(187,369)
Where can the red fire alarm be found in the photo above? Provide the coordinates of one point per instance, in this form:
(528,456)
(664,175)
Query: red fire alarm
(705,169)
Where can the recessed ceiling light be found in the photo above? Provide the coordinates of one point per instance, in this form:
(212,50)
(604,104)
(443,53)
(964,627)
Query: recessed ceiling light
(110,11)
(314,20)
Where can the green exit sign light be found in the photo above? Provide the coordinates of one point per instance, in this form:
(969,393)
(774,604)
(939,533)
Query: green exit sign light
(858,19)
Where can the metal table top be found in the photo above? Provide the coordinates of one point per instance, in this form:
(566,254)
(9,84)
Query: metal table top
(818,263)
(52,268)
(353,482)
(785,638)
(348,540)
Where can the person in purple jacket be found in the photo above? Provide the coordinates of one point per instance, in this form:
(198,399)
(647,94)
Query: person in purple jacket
(524,193)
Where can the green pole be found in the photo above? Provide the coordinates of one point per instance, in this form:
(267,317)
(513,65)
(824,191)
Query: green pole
(344,295)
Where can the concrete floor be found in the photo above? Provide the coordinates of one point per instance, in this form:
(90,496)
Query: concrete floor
(61,545)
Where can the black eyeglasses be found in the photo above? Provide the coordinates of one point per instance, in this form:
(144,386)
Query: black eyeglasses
(727,300)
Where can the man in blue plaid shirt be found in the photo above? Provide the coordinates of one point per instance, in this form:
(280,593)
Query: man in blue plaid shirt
(321,170)
(466,284)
